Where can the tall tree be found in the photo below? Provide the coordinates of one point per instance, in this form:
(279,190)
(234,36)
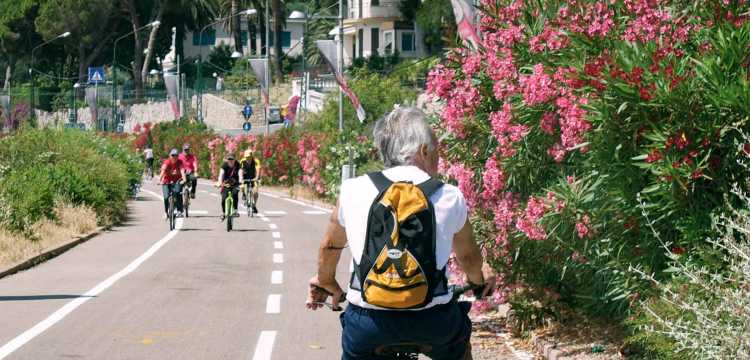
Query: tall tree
(92,25)
(278,25)
(12,12)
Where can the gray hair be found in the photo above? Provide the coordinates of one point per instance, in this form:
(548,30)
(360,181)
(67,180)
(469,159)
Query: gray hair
(400,134)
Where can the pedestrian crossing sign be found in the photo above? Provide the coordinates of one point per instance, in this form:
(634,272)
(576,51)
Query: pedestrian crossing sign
(96,75)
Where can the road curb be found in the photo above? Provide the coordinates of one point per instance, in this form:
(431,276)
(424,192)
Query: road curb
(285,194)
(52,253)
(547,349)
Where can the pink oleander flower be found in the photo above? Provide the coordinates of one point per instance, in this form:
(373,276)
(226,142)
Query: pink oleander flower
(493,180)
(472,64)
(598,17)
(528,222)
(537,88)
(505,212)
(465,178)
(548,123)
(582,227)
(440,81)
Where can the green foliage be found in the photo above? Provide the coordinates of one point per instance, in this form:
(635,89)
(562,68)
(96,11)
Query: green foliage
(174,134)
(40,167)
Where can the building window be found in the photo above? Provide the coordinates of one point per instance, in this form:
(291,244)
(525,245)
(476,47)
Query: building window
(374,2)
(286,39)
(209,38)
(361,42)
(407,41)
(375,41)
(243,37)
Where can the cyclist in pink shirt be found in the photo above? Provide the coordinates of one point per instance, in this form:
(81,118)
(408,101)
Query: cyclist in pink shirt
(190,164)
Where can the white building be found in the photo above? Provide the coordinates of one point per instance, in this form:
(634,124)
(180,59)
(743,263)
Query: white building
(219,34)
(376,26)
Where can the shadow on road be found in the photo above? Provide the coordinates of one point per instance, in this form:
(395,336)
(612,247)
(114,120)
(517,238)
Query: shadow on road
(41,297)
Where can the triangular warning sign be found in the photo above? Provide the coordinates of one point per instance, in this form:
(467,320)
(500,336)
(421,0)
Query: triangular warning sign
(97,76)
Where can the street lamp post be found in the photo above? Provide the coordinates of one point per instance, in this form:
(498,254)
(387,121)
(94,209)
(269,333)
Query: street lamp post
(198,77)
(114,65)
(31,69)
(73,105)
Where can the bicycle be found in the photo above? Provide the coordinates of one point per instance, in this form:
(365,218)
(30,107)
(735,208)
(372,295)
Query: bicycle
(406,350)
(229,207)
(249,197)
(186,190)
(171,212)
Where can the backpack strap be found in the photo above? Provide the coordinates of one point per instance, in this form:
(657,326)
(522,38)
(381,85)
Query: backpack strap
(430,186)
(381,182)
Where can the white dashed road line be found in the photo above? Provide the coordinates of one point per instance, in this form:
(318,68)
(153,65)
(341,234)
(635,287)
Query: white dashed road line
(278,258)
(214,195)
(273,304)
(272,226)
(265,219)
(275,212)
(278,245)
(199,212)
(277,277)
(314,212)
(264,348)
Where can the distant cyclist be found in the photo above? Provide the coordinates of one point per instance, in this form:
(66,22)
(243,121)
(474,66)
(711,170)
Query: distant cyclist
(400,245)
(148,154)
(171,178)
(251,176)
(229,182)
(190,163)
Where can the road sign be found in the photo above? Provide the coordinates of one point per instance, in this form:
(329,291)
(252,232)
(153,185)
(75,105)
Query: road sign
(247,111)
(96,75)
(247,126)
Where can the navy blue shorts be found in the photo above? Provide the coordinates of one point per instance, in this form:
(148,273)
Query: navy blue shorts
(446,328)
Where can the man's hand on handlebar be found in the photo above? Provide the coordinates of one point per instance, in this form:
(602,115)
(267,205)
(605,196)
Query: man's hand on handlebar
(490,279)
(319,292)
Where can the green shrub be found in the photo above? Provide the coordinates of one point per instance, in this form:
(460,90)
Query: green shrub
(40,167)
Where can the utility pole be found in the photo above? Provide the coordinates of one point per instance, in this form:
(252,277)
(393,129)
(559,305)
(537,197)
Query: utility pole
(341,63)
(267,100)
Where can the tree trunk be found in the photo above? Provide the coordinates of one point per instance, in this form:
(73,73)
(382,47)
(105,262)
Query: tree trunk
(277,28)
(152,41)
(8,73)
(137,49)
(235,27)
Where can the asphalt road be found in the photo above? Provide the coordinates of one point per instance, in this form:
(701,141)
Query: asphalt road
(140,291)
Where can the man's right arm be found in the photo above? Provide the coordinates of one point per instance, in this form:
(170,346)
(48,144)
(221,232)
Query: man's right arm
(467,253)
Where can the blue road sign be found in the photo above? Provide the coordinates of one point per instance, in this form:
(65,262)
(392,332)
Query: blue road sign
(247,126)
(247,111)
(96,75)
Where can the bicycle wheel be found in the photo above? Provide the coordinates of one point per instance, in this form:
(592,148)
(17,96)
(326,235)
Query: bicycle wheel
(186,201)
(229,211)
(170,213)
(251,206)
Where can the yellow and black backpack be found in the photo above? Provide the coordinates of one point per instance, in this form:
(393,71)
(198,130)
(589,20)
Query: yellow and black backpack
(398,269)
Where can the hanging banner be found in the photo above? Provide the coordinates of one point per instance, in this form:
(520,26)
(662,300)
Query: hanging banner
(259,68)
(91,97)
(172,84)
(328,49)
(465,22)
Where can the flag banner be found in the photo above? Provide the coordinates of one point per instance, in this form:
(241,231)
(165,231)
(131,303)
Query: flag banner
(328,49)
(259,68)
(465,22)
(91,97)
(172,84)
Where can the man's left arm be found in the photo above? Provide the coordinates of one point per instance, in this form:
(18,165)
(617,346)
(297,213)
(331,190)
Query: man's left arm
(329,253)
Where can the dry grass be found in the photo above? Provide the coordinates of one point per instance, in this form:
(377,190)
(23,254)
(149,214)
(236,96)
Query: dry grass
(72,222)
(578,336)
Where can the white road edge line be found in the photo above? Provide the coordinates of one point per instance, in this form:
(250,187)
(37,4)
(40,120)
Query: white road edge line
(278,258)
(275,212)
(277,277)
(264,348)
(314,212)
(265,219)
(272,226)
(61,313)
(273,304)
(294,201)
(278,245)
(276,235)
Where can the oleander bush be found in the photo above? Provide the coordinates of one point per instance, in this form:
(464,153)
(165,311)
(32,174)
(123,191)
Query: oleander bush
(569,111)
(43,167)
